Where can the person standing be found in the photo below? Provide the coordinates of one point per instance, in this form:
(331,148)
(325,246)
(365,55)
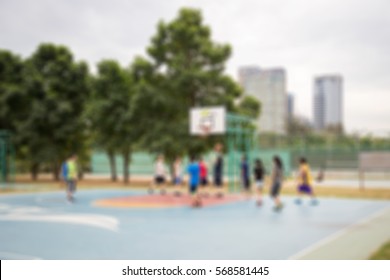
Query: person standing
(159,175)
(69,172)
(177,172)
(178,175)
(203,173)
(203,176)
(194,174)
(245,180)
(258,173)
(276,182)
(305,182)
(64,173)
(218,169)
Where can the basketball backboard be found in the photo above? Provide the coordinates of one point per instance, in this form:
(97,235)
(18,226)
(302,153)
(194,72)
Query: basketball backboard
(207,120)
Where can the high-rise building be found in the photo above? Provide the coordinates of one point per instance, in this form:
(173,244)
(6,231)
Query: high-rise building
(328,102)
(290,107)
(269,87)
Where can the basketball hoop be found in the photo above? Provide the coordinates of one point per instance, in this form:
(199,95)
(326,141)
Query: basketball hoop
(205,121)
(205,130)
(205,127)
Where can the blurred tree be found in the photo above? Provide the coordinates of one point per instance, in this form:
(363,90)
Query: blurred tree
(336,129)
(110,114)
(249,106)
(297,126)
(13,104)
(57,88)
(186,70)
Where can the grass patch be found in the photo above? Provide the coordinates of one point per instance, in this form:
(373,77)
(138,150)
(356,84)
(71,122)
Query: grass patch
(383,252)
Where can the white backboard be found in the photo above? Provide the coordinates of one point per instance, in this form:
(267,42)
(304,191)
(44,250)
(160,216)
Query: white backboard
(211,118)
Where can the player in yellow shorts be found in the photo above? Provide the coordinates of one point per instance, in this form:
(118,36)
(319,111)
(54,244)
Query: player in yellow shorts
(305,182)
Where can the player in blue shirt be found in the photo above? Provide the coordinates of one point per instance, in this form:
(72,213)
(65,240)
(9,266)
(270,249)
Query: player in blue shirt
(245,175)
(64,171)
(194,171)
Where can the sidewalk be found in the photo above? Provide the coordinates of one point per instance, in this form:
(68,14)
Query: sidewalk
(355,242)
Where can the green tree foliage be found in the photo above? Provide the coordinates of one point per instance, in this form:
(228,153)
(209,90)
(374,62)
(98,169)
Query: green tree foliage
(249,106)
(335,129)
(56,88)
(298,127)
(111,115)
(12,99)
(186,70)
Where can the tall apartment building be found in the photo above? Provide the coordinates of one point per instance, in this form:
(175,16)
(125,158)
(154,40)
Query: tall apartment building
(290,107)
(328,101)
(269,87)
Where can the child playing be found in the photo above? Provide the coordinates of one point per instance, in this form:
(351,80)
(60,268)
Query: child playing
(245,175)
(177,172)
(194,172)
(159,177)
(203,176)
(277,179)
(177,175)
(69,174)
(305,182)
(218,169)
(203,173)
(258,173)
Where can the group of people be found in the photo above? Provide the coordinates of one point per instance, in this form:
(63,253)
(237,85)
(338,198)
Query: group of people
(198,170)
(304,180)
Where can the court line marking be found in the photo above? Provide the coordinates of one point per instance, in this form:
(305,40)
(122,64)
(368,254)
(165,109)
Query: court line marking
(338,234)
(38,214)
(100,221)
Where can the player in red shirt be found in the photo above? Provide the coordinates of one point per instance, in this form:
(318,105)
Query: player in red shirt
(203,174)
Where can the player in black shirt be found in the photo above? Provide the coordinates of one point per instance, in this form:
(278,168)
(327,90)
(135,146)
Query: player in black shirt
(259,172)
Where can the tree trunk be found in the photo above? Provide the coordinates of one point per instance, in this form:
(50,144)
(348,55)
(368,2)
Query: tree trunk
(34,171)
(56,171)
(126,166)
(111,157)
(172,172)
(80,174)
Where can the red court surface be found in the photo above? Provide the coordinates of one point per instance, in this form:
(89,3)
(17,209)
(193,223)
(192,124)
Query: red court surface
(164,201)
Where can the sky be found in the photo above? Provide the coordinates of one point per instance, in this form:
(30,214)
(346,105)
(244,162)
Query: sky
(308,38)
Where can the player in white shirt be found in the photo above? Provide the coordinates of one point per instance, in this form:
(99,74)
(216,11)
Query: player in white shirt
(159,175)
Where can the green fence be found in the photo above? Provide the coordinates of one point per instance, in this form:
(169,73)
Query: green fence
(143,163)
(331,159)
(7,157)
(319,158)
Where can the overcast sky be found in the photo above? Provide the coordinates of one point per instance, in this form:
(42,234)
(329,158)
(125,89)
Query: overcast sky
(306,37)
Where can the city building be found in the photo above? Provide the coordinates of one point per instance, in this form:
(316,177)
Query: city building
(269,87)
(290,107)
(328,102)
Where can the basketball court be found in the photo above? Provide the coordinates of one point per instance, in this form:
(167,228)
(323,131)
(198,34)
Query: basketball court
(131,224)
(115,224)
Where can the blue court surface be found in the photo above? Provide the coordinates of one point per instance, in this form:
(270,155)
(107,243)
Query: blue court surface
(45,226)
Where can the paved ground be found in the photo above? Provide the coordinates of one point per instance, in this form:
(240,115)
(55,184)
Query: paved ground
(45,226)
(368,184)
(354,241)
